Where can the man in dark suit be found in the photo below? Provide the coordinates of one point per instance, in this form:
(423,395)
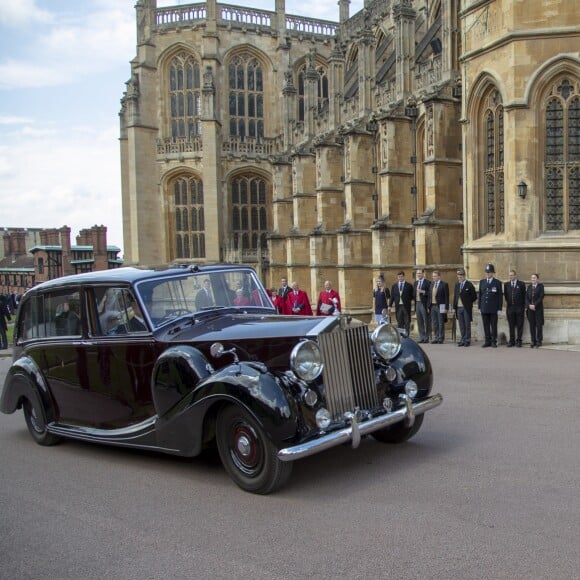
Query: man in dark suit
(464,295)
(438,306)
(490,304)
(421,295)
(400,301)
(535,306)
(4,317)
(284,290)
(514,292)
(203,298)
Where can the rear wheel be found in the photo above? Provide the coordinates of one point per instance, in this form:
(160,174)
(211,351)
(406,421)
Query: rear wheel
(247,454)
(37,425)
(398,433)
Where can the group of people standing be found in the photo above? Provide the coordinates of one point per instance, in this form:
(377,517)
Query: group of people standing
(291,300)
(5,316)
(431,298)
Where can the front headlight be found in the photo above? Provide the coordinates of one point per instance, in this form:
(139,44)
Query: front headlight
(386,341)
(306,360)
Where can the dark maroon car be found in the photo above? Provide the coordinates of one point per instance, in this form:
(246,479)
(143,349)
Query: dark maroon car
(188,359)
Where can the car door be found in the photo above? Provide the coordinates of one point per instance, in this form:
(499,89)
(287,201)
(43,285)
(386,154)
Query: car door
(118,356)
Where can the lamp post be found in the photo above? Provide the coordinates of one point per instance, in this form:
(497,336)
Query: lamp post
(522,189)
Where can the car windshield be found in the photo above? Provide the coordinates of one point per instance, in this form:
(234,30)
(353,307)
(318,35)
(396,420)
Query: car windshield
(167,299)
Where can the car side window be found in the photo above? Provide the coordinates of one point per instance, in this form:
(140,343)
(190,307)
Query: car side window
(50,314)
(118,312)
(31,319)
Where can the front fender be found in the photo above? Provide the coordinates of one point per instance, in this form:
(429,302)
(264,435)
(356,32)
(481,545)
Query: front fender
(413,363)
(25,381)
(243,384)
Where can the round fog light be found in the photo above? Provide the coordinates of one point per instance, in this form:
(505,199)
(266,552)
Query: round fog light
(322,418)
(411,389)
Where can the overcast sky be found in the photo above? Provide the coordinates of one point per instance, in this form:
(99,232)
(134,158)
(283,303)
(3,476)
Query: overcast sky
(63,68)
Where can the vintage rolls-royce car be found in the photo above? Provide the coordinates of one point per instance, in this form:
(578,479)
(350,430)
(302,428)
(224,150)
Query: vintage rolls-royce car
(190,359)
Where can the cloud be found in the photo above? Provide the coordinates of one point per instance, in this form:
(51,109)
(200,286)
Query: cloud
(14,120)
(98,38)
(23,12)
(63,178)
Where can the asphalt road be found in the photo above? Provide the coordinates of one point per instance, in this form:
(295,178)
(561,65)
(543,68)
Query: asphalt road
(489,488)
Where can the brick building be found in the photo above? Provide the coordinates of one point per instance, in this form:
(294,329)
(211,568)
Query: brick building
(52,255)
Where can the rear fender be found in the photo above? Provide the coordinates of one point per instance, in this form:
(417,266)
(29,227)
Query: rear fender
(176,373)
(25,381)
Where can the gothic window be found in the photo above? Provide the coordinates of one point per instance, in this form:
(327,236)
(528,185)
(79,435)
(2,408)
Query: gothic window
(562,157)
(246,97)
(320,74)
(351,74)
(188,218)
(249,196)
(493,164)
(185,96)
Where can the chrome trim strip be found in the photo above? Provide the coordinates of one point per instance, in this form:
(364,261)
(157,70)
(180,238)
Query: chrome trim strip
(105,435)
(352,433)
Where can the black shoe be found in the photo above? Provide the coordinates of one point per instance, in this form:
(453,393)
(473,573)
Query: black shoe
(510,344)
(532,345)
(466,343)
(519,344)
(459,344)
(494,345)
(486,345)
(538,344)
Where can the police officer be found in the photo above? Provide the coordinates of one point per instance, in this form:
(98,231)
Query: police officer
(490,303)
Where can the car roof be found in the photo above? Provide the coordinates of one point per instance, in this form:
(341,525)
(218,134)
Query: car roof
(130,275)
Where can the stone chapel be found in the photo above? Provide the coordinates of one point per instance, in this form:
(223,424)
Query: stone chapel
(414,133)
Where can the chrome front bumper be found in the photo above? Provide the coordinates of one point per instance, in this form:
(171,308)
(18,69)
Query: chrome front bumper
(355,430)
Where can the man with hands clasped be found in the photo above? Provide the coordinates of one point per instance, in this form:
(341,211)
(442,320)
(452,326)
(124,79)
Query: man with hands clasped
(421,294)
(464,296)
(438,306)
(490,305)
(514,292)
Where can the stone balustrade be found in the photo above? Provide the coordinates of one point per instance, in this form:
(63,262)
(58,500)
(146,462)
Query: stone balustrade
(172,145)
(184,16)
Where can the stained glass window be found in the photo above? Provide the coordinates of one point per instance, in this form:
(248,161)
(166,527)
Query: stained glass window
(249,195)
(321,90)
(185,96)
(189,221)
(494,159)
(562,157)
(246,97)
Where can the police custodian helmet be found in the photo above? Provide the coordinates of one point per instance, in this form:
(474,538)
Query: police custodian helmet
(489,268)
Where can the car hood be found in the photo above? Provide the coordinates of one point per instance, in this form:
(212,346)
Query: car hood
(250,327)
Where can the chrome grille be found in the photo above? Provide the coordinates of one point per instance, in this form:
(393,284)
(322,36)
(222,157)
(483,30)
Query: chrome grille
(349,378)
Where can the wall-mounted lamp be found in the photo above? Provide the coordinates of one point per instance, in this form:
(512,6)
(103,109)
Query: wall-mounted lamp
(522,189)
(411,111)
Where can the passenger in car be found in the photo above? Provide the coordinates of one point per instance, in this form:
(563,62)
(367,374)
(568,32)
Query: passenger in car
(67,321)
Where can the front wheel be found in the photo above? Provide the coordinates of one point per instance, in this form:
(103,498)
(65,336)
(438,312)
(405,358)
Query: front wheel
(37,426)
(398,433)
(247,454)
